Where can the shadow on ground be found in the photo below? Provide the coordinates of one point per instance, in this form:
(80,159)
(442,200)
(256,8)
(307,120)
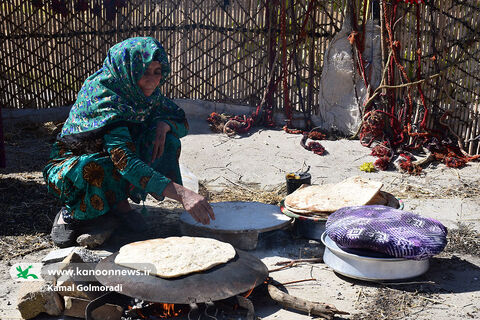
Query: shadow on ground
(25,207)
(445,275)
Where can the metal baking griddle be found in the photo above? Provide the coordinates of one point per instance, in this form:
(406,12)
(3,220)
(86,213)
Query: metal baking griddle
(238,275)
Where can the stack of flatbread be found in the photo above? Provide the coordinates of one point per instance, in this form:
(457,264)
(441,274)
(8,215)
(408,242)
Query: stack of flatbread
(175,256)
(321,200)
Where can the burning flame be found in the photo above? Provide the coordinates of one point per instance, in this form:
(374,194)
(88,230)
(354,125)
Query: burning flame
(250,291)
(169,310)
(159,310)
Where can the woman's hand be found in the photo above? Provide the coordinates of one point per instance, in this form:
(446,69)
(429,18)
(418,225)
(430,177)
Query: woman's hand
(159,143)
(196,205)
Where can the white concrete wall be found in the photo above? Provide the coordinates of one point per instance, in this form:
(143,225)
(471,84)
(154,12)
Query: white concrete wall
(193,109)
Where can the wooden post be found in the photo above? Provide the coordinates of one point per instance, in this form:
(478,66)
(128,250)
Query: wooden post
(383,40)
(2,145)
(311,66)
(270,20)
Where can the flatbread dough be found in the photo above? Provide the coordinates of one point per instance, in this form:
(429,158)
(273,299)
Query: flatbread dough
(241,216)
(354,191)
(175,256)
(379,198)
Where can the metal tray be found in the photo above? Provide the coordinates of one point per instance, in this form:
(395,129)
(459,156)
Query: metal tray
(370,266)
(244,239)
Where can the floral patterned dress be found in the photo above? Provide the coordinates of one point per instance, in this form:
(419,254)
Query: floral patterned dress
(102,155)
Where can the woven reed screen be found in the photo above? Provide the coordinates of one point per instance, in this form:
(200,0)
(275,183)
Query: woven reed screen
(219,50)
(449,46)
(223,50)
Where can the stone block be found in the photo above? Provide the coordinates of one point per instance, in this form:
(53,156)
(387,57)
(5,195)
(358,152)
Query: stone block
(75,307)
(35,297)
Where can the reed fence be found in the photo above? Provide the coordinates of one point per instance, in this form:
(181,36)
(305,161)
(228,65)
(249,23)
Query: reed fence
(226,50)
(219,50)
(443,43)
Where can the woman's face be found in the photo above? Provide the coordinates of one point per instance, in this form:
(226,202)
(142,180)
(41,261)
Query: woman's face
(151,78)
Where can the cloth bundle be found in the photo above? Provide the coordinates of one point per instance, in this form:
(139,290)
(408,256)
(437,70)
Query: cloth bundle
(386,230)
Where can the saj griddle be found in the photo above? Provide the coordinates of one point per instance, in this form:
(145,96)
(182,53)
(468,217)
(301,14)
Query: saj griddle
(241,274)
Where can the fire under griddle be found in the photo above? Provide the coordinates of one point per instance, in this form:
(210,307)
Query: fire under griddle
(241,274)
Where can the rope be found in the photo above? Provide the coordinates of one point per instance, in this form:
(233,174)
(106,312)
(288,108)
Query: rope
(313,146)
(314,134)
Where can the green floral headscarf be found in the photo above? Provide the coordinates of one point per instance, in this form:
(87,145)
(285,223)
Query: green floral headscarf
(111,95)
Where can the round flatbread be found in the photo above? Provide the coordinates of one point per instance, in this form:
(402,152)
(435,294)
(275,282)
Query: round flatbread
(379,198)
(354,191)
(175,256)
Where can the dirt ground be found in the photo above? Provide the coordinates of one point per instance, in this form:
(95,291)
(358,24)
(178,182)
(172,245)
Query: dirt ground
(252,168)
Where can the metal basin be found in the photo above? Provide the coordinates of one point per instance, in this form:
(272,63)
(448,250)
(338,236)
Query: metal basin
(370,266)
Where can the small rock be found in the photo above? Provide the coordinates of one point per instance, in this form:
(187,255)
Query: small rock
(101,253)
(95,239)
(84,255)
(57,255)
(83,261)
(34,298)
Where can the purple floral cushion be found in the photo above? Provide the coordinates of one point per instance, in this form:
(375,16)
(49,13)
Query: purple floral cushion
(386,230)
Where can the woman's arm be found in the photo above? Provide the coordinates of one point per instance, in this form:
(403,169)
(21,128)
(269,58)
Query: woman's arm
(120,147)
(160,134)
(172,115)
(193,203)
(179,128)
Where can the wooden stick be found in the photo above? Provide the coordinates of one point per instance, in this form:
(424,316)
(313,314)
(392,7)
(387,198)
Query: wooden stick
(429,158)
(382,86)
(289,264)
(239,185)
(435,301)
(411,83)
(298,281)
(320,309)
(299,260)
